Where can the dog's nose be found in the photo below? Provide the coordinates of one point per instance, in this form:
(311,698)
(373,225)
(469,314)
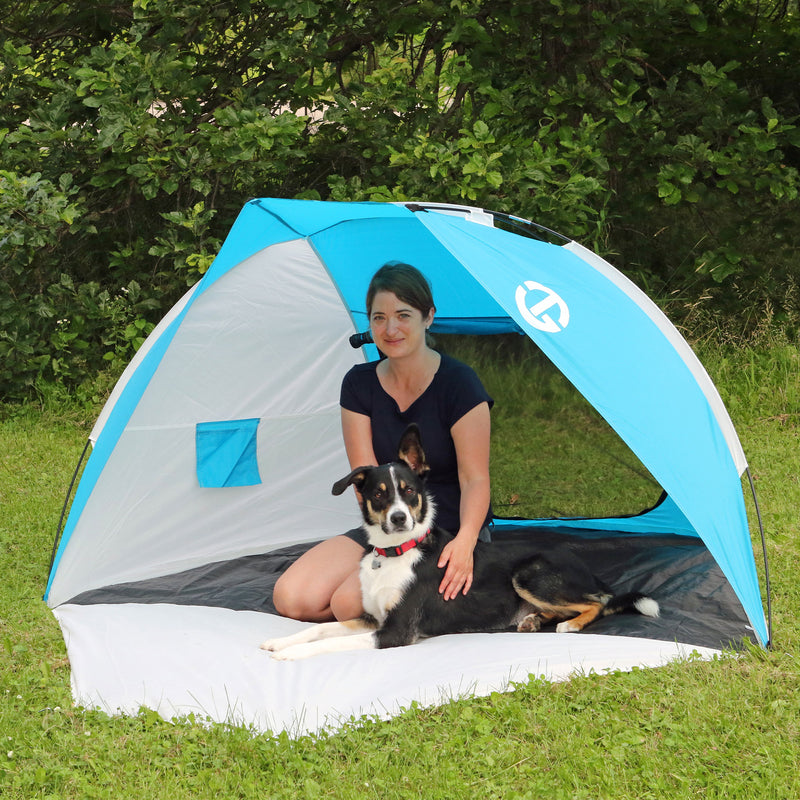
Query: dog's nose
(398,519)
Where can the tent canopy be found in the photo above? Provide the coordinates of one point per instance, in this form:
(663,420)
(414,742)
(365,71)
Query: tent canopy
(200,451)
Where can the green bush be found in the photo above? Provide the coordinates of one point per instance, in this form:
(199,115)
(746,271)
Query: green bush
(67,333)
(132,134)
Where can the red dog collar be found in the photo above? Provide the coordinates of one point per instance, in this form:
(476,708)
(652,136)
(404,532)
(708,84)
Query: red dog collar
(400,549)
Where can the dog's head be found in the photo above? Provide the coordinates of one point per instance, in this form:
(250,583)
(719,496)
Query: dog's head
(394,503)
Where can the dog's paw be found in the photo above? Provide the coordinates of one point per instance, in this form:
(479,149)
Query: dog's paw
(567,627)
(530,624)
(273,645)
(295,652)
(281,655)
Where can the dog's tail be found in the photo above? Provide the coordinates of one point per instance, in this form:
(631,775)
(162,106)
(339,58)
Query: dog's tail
(632,601)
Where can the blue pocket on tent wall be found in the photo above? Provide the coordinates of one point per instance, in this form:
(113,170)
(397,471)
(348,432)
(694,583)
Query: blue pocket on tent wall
(226,453)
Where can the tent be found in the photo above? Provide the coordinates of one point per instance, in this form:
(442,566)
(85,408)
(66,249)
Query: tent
(212,462)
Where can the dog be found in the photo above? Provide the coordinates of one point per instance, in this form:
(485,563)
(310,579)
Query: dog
(516,586)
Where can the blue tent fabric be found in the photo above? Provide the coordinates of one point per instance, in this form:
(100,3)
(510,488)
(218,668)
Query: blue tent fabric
(623,365)
(489,280)
(226,453)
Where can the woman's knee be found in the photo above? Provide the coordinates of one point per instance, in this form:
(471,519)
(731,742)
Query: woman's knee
(282,595)
(305,590)
(292,600)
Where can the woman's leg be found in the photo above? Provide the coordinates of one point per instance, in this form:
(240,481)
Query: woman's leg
(322,584)
(346,602)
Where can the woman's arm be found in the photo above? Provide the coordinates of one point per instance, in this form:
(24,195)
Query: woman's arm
(357,433)
(471,435)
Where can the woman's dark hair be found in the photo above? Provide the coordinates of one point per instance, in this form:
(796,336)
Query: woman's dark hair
(404,281)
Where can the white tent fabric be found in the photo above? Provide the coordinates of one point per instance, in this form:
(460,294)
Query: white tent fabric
(182,660)
(156,527)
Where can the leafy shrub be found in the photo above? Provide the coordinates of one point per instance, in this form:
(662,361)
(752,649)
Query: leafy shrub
(132,134)
(67,333)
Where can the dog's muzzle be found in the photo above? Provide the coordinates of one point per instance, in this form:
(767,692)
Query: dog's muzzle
(399,520)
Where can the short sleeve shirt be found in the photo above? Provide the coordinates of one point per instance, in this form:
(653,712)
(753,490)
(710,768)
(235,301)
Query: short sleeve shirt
(454,390)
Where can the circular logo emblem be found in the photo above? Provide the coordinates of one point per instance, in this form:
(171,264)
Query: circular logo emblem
(541,307)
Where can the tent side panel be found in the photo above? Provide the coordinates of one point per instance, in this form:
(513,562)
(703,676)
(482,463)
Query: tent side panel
(124,403)
(677,341)
(252,231)
(624,365)
(269,342)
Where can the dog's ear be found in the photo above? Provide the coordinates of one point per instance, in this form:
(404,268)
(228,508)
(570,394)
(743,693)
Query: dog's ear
(411,452)
(356,477)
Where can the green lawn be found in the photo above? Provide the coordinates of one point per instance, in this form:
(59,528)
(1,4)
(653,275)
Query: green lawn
(722,729)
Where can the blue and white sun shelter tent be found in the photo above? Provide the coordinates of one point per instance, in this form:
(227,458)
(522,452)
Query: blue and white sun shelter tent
(213,460)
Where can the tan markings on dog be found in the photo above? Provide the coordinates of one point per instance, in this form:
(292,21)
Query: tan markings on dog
(373,515)
(579,615)
(416,509)
(538,604)
(359,625)
(414,456)
(587,614)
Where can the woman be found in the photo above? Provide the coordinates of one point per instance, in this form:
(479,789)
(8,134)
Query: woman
(413,383)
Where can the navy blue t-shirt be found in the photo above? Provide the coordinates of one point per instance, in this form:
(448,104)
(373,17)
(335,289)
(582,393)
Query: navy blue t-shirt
(454,390)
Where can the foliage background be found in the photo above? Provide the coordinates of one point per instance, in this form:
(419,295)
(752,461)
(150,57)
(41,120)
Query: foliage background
(661,133)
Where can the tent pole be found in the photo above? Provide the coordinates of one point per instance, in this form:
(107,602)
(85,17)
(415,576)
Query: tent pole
(764,551)
(60,527)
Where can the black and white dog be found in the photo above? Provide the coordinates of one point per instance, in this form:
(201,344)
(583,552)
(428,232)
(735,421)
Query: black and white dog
(515,585)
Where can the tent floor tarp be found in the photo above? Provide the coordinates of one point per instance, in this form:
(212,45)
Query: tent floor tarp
(698,605)
(191,660)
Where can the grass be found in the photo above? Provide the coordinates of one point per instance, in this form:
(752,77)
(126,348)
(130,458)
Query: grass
(726,728)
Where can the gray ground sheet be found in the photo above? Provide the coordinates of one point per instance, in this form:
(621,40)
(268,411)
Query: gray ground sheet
(698,605)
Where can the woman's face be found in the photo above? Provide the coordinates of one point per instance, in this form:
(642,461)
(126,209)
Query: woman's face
(398,329)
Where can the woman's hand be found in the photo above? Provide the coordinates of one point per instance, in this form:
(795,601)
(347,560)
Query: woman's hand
(471,439)
(457,557)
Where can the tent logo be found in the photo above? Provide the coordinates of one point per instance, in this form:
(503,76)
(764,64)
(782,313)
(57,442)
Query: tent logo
(538,315)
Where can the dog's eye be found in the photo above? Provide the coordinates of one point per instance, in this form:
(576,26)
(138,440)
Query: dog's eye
(377,494)
(409,490)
